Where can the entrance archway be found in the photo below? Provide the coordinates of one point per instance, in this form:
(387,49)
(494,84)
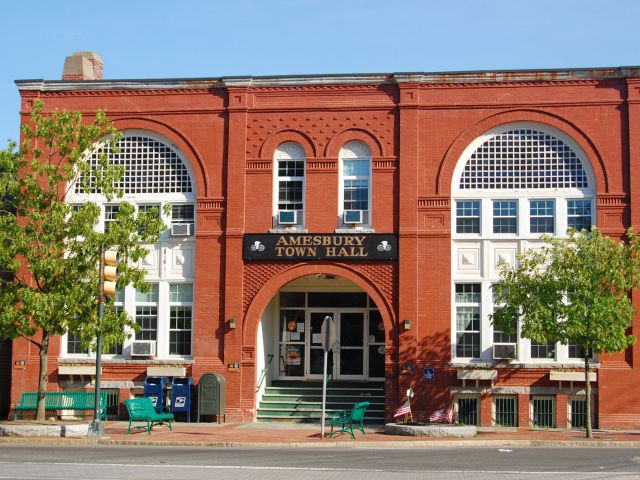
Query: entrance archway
(282,328)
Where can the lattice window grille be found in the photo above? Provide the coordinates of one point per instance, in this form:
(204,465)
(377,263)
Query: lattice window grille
(150,166)
(523,159)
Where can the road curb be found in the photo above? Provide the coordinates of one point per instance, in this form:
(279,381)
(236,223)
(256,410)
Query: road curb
(330,444)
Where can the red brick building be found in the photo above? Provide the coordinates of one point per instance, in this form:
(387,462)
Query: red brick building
(384,201)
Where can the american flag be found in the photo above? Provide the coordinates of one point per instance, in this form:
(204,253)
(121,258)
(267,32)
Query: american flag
(441,415)
(403,410)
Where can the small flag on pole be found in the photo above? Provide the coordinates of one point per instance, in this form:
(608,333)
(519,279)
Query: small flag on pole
(442,415)
(405,409)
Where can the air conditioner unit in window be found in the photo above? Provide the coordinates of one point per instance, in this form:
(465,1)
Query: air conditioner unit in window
(353,216)
(143,348)
(504,351)
(181,229)
(287,217)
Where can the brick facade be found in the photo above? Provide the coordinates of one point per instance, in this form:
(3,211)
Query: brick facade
(416,127)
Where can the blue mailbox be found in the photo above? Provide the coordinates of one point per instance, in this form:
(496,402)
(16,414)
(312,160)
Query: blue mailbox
(181,395)
(156,388)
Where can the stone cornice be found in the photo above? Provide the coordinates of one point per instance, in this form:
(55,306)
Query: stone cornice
(426,80)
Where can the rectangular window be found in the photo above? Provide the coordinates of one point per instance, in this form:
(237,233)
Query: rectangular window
(110,214)
(468,217)
(356,186)
(180,318)
(119,306)
(505,411)
(182,213)
(468,408)
(502,338)
(467,320)
(74,346)
(575,351)
(579,214)
(543,411)
(147,313)
(290,195)
(578,417)
(542,216)
(505,216)
(543,350)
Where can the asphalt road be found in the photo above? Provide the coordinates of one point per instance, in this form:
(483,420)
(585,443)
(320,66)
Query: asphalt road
(141,463)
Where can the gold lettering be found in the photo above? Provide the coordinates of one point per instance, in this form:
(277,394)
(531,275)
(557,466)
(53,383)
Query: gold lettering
(326,240)
(306,241)
(348,241)
(295,240)
(317,240)
(331,251)
(360,240)
(279,251)
(343,252)
(338,240)
(281,241)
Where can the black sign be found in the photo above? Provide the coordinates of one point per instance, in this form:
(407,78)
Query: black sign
(339,246)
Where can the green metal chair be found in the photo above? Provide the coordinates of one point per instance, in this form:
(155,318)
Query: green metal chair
(349,420)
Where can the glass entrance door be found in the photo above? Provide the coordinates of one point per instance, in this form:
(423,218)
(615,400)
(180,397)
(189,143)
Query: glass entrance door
(315,363)
(351,346)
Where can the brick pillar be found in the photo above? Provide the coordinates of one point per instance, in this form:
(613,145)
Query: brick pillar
(485,409)
(407,229)
(562,408)
(523,411)
(233,283)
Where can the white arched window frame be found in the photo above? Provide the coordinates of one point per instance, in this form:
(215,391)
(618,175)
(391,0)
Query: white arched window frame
(289,191)
(157,174)
(354,202)
(512,185)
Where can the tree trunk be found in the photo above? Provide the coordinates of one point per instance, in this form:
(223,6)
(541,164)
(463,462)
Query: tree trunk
(42,379)
(587,388)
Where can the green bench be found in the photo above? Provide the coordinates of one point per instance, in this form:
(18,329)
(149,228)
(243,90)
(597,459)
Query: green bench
(55,401)
(349,420)
(142,410)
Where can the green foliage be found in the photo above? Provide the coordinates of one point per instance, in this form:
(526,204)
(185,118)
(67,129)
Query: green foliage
(49,248)
(574,290)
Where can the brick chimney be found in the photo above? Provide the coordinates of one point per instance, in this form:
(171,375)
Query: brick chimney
(82,66)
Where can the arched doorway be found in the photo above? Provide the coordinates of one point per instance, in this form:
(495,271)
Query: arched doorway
(289,352)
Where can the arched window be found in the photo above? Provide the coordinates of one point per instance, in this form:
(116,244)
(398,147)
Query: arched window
(156,175)
(355,184)
(511,185)
(290,185)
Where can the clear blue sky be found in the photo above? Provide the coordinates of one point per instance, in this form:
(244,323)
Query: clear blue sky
(210,38)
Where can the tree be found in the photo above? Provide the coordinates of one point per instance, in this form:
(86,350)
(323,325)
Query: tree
(50,249)
(575,290)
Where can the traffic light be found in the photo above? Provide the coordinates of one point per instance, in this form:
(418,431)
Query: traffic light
(109,272)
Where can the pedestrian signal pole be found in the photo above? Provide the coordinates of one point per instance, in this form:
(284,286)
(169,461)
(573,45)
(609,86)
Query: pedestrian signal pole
(328,338)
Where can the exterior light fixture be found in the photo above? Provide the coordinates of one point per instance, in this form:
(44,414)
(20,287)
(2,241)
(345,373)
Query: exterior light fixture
(232,323)
(406,324)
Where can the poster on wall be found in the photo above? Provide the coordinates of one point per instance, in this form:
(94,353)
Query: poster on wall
(293,355)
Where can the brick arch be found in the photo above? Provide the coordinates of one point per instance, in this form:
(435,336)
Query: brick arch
(276,282)
(268,149)
(336,143)
(454,153)
(189,151)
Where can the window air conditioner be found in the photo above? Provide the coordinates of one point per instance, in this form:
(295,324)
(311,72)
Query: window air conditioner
(504,351)
(181,229)
(353,216)
(143,348)
(287,217)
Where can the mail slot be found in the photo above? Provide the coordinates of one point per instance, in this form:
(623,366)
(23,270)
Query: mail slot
(181,395)
(212,396)
(156,388)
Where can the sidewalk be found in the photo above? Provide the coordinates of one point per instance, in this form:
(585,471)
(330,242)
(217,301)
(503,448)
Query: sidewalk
(278,435)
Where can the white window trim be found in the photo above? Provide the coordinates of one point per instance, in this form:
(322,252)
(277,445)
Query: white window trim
(300,223)
(486,242)
(342,178)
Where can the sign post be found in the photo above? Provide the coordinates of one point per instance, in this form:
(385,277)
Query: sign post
(328,337)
